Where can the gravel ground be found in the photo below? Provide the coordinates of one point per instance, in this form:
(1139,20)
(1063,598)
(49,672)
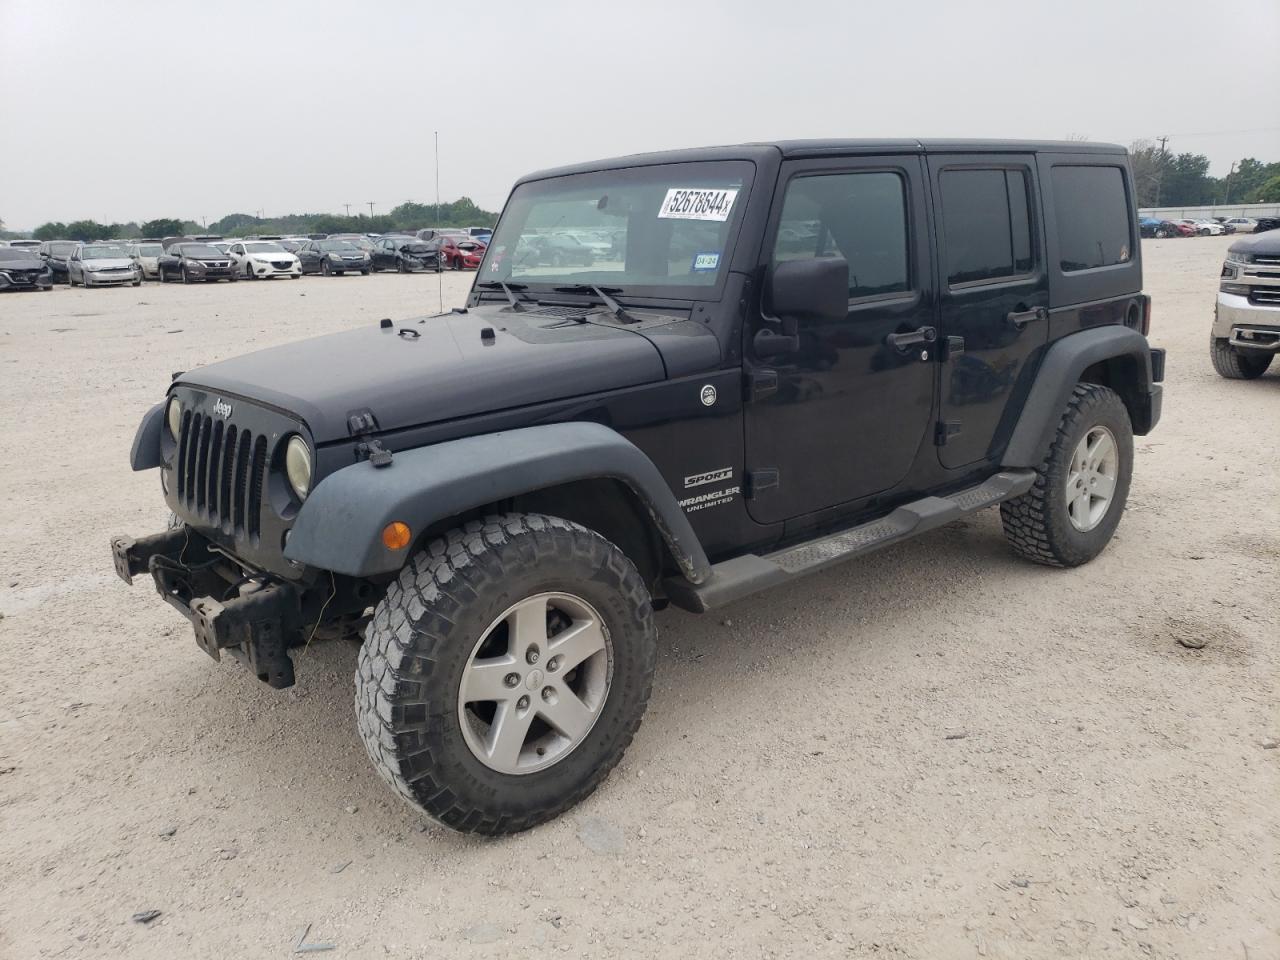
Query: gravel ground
(938,751)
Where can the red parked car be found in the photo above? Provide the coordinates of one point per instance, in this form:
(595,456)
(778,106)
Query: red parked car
(459,253)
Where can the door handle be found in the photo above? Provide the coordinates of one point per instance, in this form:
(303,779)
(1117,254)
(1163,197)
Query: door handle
(904,341)
(1020,318)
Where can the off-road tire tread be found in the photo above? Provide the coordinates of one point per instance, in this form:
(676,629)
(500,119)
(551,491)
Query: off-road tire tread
(413,619)
(1026,525)
(1234,365)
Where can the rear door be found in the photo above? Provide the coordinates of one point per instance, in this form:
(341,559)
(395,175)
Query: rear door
(994,296)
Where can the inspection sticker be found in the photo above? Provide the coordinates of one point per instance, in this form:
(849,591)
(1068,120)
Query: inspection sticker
(706,261)
(696,203)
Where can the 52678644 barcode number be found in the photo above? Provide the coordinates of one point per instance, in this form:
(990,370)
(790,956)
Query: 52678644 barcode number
(697,204)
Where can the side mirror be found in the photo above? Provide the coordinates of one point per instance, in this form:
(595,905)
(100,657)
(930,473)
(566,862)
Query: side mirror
(815,289)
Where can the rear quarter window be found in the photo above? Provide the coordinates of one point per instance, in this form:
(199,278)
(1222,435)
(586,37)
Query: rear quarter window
(1092,211)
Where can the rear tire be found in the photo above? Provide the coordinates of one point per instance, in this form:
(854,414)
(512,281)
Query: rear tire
(1071,512)
(450,612)
(1236,364)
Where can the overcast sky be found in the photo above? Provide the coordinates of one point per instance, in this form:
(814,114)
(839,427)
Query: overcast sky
(128,111)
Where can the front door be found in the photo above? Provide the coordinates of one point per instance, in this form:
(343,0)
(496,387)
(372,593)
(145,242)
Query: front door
(843,417)
(994,297)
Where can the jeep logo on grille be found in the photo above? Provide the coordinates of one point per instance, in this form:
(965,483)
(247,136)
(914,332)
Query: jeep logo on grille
(222,408)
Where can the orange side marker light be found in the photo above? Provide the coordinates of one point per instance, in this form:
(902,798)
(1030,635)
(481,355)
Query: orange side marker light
(396,535)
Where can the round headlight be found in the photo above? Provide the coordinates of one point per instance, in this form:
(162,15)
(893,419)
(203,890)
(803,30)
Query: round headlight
(174,417)
(297,466)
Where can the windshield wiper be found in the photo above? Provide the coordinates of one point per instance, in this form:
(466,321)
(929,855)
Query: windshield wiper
(509,289)
(611,304)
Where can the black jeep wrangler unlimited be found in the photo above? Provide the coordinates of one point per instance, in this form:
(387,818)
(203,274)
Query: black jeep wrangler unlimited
(780,356)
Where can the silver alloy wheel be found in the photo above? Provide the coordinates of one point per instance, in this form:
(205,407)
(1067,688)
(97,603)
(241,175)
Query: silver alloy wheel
(1091,480)
(535,683)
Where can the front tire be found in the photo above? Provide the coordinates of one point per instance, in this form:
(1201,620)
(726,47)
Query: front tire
(1235,364)
(535,598)
(1072,511)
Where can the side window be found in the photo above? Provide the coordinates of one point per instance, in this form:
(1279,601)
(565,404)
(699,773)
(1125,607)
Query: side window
(1093,217)
(861,217)
(986,224)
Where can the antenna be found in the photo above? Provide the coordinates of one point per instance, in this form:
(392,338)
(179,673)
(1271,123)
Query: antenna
(439,269)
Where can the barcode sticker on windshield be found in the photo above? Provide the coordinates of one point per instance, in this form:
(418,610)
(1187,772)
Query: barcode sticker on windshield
(693,203)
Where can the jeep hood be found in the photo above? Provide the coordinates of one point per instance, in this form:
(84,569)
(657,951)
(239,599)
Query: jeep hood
(433,369)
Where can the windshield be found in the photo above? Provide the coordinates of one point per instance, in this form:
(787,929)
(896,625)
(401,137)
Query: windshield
(150,250)
(200,251)
(16,253)
(263,246)
(102,251)
(667,230)
(337,246)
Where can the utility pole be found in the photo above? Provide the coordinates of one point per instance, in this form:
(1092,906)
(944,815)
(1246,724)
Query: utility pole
(1160,178)
(437,178)
(348,206)
(1230,173)
(370,209)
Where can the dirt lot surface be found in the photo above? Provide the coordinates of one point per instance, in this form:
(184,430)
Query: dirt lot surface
(939,751)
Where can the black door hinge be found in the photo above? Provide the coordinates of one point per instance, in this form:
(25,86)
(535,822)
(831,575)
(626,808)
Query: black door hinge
(944,431)
(758,480)
(954,347)
(761,383)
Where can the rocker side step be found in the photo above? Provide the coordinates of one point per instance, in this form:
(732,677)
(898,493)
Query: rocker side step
(734,579)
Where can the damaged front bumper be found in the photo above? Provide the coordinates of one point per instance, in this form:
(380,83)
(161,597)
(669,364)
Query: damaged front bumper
(255,619)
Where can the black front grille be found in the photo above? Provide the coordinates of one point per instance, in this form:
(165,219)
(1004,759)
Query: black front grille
(282,264)
(23,276)
(1268,259)
(1265,296)
(221,470)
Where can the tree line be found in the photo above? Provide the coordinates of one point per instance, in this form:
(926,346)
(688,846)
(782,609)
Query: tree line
(407,216)
(1165,179)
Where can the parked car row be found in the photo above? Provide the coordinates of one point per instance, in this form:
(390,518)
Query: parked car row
(1196,227)
(39,265)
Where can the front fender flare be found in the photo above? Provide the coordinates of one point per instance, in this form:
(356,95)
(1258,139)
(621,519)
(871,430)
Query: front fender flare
(1059,372)
(339,526)
(145,453)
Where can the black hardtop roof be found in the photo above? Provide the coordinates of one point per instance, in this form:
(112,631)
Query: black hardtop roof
(793,149)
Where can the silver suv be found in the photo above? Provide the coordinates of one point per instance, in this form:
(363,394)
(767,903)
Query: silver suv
(1246,321)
